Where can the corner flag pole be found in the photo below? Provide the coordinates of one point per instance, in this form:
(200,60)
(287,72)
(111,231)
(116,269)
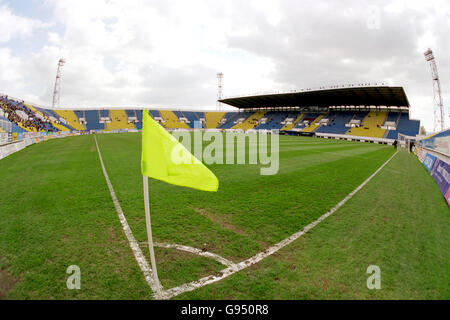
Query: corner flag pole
(149,234)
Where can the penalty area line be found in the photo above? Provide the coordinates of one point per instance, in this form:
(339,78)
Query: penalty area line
(138,255)
(172,292)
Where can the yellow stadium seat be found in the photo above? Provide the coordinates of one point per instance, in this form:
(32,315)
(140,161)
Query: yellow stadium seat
(314,125)
(118,121)
(371,125)
(213,119)
(290,126)
(171,121)
(56,125)
(71,119)
(251,122)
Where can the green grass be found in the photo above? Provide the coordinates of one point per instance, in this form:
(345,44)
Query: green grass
(56,211)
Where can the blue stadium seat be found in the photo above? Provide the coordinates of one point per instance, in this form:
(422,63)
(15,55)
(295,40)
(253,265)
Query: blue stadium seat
(51,113)
(405,126)
(308,116)
(360,115)
(153,113)
(104,113)
(337,123)
(232,117)
(14,127)
(92,118)
(275,118)
(139,116)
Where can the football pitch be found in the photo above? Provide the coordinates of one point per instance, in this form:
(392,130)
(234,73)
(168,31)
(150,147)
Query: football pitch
(56,211)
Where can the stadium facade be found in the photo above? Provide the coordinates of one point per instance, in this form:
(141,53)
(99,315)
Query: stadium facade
(367,113)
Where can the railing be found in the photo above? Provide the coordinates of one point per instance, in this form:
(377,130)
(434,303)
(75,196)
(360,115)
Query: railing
(354,138)
(348,86)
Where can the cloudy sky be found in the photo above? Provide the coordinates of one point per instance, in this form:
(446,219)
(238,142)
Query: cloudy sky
(167,53)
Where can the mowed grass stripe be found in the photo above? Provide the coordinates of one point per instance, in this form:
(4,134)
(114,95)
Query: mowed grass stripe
(399,223)
(264,208)
(297,160)
(66,217)
(55,212)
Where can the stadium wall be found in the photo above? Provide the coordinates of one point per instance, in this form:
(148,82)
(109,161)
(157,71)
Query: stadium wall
(438,143)
(434,153)
(339,124)
(13,142)
(354,138)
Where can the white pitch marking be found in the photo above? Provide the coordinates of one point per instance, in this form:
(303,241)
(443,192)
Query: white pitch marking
(172,292)
(140,258)
(199,252)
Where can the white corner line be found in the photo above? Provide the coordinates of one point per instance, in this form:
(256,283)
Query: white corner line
(199,252)
(139,256)
(172,292)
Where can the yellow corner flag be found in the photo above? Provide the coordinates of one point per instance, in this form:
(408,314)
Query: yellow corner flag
(165,158)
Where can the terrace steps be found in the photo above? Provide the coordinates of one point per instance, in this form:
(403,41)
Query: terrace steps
(213,119)
(56,125)
(118,121)
(371,125)
(71,118)
(313,126)
(251,122)
(290,126)
(171,120)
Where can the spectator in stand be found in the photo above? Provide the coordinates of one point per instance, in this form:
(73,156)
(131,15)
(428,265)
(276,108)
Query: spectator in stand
(32,123)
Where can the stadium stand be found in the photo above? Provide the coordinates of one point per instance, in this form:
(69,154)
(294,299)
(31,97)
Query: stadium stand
(289,126)
(336,123)
(405,126)
(17,113)
(193,117)
(251,121)
(55,118)
(393,117)
(131,116)
(213,119)
(47,115)
(104,114)
(190,117)
(274,120)
(171,120)
(130,113)
(315,116)
(118,121)
(307,119)
(226,119)
(232,118)
(154,114)
(371,125)
(139,117)
(359,116)
(314,125)
(93,120)
(71,119)
(81,115)
(14,127)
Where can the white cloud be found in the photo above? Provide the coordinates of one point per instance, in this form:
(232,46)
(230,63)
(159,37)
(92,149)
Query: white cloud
(54,38)
(12,26)
(11,78)
(109,44)
(167,53)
